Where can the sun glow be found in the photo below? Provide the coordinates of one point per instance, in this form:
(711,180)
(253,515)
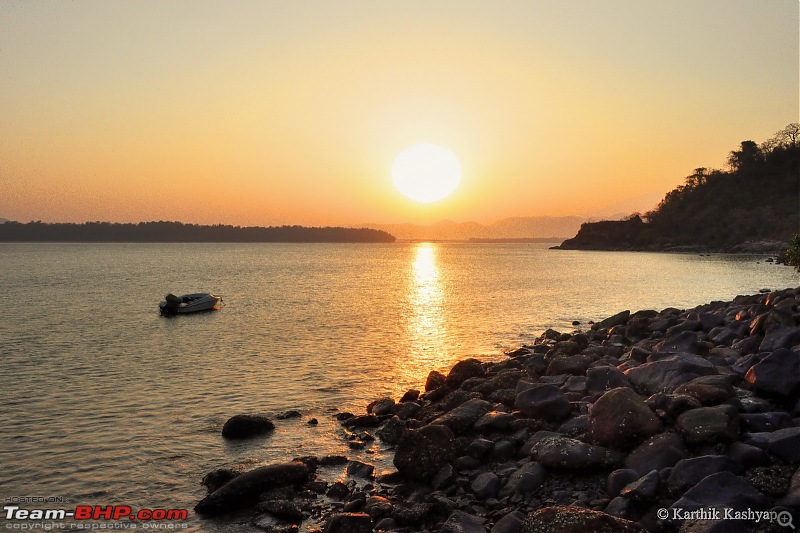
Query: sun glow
(426,172)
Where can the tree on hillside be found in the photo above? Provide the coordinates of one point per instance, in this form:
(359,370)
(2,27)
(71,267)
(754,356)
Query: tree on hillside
(790,134)
(748,155)
(698,178)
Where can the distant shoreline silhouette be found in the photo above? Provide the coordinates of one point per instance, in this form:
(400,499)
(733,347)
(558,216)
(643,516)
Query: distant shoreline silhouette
(176,232)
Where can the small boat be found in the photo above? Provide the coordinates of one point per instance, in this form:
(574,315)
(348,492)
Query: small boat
(189,303)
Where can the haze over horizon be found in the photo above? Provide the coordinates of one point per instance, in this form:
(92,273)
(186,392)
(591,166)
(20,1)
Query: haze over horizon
(275,113)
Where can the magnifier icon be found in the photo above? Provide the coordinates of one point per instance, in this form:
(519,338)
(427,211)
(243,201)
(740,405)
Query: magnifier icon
(785,519)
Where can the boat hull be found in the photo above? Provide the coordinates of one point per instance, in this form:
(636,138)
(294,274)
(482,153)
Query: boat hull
(189,303)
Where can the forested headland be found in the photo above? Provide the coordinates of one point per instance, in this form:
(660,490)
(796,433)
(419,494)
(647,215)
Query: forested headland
(754,202)
(179,232)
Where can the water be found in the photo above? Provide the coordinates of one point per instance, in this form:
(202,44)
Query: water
(106,402)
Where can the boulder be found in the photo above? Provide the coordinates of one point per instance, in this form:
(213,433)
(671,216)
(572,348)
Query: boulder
(378,507)
(363,421)
(411,513)
(576,520)
(349,523)
(709,424)
(411,395)
(644,489)
(603,378)
(434,381)
(525,479)
(621,419)
(777,373)
(383,406)
(461,522)
(282,509)
(683,342)
(478,448)
(708,390)
(659,451)
(493,421)
(574,365)
(565,454)
(392,431)
(620,319)
(689,472)
(244,490)
(486,485)
(359,469)
(510,523)
(709,321)
(792,496)
(666,374)
(622,508)
(543,401)
(785,443)
(216,478)
(780,338)
(722,489)
(462,418)
(462,371)
(421,453)
(764,422)
(618,479)
(246,426)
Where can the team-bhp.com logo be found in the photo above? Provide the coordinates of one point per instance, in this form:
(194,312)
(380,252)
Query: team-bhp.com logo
(94,512)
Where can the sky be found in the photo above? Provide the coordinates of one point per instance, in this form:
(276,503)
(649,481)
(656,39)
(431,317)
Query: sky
(268,112)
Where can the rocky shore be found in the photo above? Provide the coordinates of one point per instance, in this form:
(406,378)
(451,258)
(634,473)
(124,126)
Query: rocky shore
(651,421)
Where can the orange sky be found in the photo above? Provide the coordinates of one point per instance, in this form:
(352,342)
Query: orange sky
(292,112)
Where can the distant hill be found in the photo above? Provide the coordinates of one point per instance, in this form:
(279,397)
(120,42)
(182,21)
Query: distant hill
(3,220)
(754,205)
(552,229)
(179,232)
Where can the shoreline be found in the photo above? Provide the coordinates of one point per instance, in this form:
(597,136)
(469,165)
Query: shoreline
(603,427)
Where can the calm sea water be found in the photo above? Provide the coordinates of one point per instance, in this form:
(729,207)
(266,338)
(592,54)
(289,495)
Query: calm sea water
(105,402)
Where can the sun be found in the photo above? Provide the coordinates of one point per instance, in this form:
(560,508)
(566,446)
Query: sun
(426,172)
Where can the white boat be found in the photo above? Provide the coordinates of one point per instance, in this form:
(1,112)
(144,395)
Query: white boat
(189,303)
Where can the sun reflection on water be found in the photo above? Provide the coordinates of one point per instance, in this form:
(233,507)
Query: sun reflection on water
(427,328)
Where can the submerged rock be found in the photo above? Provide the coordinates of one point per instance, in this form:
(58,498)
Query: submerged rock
(246,426)
(244,490)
